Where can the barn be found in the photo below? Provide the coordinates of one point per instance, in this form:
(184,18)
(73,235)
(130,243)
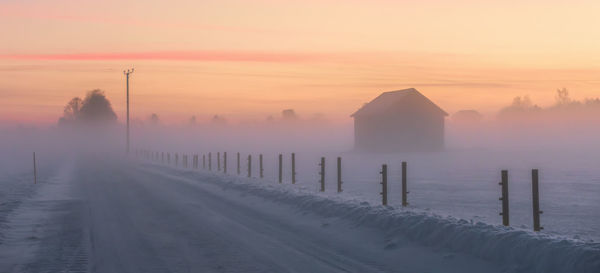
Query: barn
(399,121)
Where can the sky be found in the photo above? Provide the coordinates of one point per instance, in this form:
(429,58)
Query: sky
(246,60)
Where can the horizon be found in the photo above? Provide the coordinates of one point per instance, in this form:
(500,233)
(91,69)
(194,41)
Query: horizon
(265,136)
(205,59)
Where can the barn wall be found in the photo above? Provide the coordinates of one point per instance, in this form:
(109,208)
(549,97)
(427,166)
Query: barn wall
(412,126)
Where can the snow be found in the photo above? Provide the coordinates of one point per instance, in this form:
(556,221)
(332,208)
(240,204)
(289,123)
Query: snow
(519,250)
(98,214)
(462,184)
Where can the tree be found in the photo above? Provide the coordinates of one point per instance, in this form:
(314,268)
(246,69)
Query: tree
(218,120)
(520,107)
(562,97)
(96,108)
(192,120)
(154,120)
(72,108)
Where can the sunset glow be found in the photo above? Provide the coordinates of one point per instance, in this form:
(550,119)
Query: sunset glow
(246,60)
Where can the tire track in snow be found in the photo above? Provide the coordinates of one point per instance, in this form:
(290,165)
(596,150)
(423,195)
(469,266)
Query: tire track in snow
(46,233)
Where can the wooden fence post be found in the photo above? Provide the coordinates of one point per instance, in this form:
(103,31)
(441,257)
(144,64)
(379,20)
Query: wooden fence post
(384,184)
(339,174)
(204,161)
(504,198)
(238,163)
(176,160)
(195,161)
(210,161)
(404,185)
(293,168)
(249,166)
(169,158)
(260,165)
(218,161)
(185,161)
(162,157)
(34,170)
(224,162)
(322,173)
(280,168)
(536,200)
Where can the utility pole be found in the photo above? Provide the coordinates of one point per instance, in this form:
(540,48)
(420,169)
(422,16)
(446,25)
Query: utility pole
(127,72)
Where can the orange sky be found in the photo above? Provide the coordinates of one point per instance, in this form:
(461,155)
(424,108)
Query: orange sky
(248,59)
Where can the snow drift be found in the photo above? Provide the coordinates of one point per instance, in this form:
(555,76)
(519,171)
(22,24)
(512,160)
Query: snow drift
(516,250)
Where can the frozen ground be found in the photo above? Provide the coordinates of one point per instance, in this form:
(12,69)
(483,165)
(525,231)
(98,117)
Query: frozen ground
(462,184)
(99,215)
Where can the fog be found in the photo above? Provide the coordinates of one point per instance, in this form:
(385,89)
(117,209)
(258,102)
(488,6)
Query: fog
(560,140)
(563,135)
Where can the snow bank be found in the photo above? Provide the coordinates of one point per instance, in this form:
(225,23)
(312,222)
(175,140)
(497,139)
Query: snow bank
(515,249)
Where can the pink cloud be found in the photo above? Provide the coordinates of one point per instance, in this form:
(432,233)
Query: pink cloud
(205,56)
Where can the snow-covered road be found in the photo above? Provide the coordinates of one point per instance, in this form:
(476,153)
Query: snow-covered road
(113,216)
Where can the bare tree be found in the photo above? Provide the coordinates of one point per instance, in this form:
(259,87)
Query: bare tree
(562,97)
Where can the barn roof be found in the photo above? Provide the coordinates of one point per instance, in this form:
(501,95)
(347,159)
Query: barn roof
(387,99)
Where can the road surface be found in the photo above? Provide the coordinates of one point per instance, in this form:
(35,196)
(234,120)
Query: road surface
(100,215)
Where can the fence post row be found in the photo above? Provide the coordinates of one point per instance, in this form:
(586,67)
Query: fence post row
(536,201)
(280,168)
(404,185)
(238,163)
(504,198)
(224,162)
(260,165)
(293,168)
(155,155)
(339,174)
(322,173)
(249,166)
(384,189)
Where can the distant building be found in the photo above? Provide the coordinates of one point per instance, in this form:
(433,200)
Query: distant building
(399,121)
(289,114)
